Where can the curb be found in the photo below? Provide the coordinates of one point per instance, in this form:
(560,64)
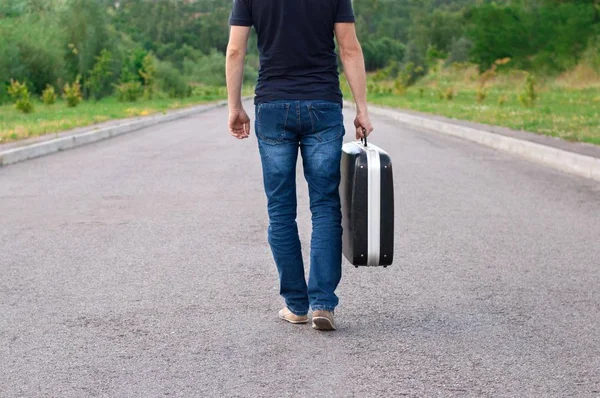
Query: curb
(569,162)
(43,148)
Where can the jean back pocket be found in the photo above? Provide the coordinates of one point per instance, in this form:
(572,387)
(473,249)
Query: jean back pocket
(327,120)
(271,121)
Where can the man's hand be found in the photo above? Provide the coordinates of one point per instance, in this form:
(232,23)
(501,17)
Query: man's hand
(363,122)
(239,123)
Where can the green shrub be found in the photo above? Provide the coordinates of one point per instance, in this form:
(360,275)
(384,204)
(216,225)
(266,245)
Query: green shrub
(129,92)
(49,95)
(31,50)
(171,81)
(72,93)
(380,52)
(459,51)
(99,78)
(399,87)
(528,94)
(17,90)
(148,74)
(20,96)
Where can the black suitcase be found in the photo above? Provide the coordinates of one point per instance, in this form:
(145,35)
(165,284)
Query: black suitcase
(367,194)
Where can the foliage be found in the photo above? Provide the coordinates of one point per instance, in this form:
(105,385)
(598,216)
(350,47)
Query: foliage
(129,91)
(171,81)
(31,50)
(548,37)
(99,78)
(148,74)
(528,94)
(460,51)
(132,64)
(49,95)
(380,52)
(399,87)
(20,96)
(72,93)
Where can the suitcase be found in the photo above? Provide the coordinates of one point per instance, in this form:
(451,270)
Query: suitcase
(367,195)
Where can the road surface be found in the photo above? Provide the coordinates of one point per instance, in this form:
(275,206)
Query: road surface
(139,267)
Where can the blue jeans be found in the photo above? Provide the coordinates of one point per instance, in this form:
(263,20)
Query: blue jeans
(315,128)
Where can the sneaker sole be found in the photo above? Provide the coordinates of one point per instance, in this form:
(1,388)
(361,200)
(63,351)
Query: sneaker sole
(322,323)
(294,322)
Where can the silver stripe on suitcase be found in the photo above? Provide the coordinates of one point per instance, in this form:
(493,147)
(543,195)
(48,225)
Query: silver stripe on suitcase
(374,202)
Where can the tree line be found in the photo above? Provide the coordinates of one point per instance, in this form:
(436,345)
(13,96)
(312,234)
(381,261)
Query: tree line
(136,47)
(544,36)
(114,46)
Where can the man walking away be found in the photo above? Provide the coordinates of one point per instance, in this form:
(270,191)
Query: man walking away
(299,108)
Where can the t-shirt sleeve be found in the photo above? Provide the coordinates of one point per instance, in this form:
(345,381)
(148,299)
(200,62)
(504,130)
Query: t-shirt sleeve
(241,14)
(344,11)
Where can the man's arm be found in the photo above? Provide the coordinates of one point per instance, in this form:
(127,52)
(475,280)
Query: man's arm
(354,69)
(239,122)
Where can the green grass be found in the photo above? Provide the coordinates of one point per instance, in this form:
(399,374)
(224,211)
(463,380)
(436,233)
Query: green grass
(56,118)
(570,113)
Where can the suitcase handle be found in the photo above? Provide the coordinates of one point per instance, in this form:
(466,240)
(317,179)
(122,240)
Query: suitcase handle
(363,139)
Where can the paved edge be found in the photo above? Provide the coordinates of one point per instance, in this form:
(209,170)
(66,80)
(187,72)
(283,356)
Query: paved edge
(569,162)
(20,154)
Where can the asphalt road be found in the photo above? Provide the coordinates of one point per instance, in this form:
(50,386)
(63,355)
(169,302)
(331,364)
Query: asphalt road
(139,267)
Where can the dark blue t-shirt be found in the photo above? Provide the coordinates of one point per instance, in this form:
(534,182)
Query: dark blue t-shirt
(296,46)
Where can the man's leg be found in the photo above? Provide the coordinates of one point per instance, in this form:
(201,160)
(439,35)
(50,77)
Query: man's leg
(321,153)
(278,145)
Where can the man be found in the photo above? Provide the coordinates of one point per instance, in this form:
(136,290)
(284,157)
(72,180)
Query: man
(299,108)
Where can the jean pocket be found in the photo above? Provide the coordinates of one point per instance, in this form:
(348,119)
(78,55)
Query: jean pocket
(327,120)
(271,120)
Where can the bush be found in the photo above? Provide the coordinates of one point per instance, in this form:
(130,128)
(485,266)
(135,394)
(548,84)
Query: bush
(20,96)
(399,87)
(528,94)
(380,52)
(148,74)
(31,49)
(49,95)
(72,93)
(171,82)
(98,82)
(460,51)
(129,92)
(414,63)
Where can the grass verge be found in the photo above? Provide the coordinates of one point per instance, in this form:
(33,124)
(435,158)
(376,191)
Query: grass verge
(571,113)
(15,125)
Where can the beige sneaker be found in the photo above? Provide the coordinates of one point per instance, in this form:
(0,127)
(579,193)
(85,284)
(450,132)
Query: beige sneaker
(323,320)
(290,317)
